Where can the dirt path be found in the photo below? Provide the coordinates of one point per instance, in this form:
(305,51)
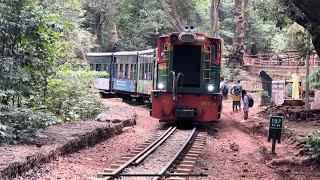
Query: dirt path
(229,153)
(232,154)
(87,163)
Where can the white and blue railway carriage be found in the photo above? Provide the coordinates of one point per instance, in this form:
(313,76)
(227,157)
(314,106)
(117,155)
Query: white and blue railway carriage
(101,62)
(131,73)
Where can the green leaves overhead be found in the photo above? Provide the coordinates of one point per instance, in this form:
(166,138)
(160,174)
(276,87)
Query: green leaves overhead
(35,44)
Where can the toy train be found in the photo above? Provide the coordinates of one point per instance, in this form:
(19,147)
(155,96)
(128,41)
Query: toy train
(131,74)
(181,77)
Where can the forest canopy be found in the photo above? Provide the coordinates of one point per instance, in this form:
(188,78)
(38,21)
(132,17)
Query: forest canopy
(45,81)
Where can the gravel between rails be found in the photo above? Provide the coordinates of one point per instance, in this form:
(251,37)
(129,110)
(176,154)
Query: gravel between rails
(160,157)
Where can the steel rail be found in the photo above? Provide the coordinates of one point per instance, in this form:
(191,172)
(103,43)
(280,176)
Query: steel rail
(154,147)
(165,168)
(144,153)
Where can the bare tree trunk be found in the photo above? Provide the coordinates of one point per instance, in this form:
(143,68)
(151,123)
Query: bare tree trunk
(177,14)
(168,15)
(112,32)
(173,14)
(307,103)
(238,42)
(214,17)
(99,20)
(246,14)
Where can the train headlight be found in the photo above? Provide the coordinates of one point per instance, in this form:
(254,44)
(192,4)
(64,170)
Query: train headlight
(160,86)
(210,87)
(187,37)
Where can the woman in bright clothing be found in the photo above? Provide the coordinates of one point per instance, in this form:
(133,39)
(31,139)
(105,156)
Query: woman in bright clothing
(245,100)
(236,96)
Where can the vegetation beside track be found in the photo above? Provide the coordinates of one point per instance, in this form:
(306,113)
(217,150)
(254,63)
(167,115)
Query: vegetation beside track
(41,81)
(311,144)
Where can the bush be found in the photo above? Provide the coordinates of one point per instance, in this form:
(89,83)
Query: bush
(21,125)
(311,144)
(230,75)
(314,79)
(72,96)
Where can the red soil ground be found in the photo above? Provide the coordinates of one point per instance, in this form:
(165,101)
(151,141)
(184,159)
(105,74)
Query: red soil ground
(230,153)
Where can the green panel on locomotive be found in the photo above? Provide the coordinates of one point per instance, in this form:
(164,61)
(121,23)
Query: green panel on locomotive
(188,78)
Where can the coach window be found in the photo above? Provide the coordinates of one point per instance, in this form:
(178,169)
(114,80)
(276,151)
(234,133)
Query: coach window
(91,67)
(134,71)
(150,71)
(145,71)
(126,71)
(115,71)
(142,71)
(98,67)
(213,52)
(120,70)
(130,71)
(107,67)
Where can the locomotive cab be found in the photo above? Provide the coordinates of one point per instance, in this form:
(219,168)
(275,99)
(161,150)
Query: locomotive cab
(187,78)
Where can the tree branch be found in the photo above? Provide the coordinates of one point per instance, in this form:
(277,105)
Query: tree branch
(168,15)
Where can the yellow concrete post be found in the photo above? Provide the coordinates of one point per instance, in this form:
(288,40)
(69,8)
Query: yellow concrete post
(295,86)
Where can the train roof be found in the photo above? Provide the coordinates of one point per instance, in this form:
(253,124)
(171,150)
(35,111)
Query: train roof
(99,54)
(198,34)
(124,53)
(121,53)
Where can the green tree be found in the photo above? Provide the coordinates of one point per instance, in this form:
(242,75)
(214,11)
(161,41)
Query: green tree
(35,48)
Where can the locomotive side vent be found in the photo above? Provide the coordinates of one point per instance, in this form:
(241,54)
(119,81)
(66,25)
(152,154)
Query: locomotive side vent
(187,60)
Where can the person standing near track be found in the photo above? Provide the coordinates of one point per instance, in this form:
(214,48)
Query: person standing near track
(245,100)
(223,88)
(236,96)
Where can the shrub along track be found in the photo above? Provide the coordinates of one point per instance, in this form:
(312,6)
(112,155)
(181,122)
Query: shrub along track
(171,154)
(60,140)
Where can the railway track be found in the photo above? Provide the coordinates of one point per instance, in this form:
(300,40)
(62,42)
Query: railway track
(178,163)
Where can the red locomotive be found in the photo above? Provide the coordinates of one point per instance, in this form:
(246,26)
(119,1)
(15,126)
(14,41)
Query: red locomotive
(187,78)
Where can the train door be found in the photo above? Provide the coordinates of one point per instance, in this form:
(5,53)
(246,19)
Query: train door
(113,71)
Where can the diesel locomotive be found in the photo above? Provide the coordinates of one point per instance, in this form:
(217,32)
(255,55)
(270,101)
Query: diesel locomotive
(187,78)
(180,77)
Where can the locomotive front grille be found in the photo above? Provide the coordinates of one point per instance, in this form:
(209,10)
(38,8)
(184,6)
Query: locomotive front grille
(187,60)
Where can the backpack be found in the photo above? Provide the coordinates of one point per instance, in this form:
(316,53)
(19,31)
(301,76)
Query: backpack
(225,91)
(236,91)
(251,101)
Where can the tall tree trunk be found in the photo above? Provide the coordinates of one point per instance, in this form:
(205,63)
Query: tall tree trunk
(178,15)
(112,32)
(246,17)
(238,42)
(173,14)
(307,104)
(98,28)
(309,18)
(214,17)
(246,14)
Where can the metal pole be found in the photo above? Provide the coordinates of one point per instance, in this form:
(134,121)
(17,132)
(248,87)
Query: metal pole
(273,147)
(307,105)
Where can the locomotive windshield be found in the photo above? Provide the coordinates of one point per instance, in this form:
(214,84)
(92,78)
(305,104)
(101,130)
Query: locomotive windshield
(187,59)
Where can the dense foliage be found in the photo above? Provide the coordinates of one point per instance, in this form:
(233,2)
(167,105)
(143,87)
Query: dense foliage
(43,79)
(311,144)
(37,87)
(231,74)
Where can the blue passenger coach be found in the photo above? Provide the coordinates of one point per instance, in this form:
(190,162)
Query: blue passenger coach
(131,73)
